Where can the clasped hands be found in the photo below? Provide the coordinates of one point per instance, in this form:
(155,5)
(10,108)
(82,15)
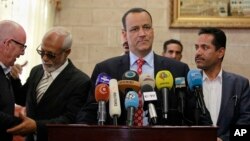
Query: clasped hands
(27,126)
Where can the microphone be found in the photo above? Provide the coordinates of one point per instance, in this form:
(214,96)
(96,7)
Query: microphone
(101,96)
(130,75)
(131,104)
(129,82)
(114,101)
(102,78)
(147,79)
(150,97)
(194,79)
(180,89)
(164,82)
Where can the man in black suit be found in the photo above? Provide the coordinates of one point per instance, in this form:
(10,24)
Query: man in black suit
(138,31)
(61,97)
(12,45)
(226,95)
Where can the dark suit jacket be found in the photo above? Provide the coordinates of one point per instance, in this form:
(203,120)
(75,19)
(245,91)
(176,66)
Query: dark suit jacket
(7,103)
(235,103)
(60,103)
(115,67)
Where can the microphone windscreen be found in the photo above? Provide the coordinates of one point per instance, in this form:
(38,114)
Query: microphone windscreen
(180,82)
(102,92)
(164,79)
(194,79)
(146,79)
(131,84)
(130,75)
(102,78)
(147,88)
(114,100)
(131,100)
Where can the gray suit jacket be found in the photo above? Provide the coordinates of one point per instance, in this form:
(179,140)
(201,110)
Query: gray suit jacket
(235,103)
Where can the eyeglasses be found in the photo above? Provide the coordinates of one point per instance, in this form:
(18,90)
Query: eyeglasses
(22,45)
(49,54)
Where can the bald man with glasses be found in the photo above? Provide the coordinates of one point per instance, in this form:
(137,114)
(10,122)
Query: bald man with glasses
(55,90)
(12,40)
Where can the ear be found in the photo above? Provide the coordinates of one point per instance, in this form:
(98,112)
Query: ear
(162,53)
(124,35)
(221,52)
(6,42)
(68,51)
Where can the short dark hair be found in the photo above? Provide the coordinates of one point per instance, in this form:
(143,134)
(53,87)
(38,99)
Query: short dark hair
(134,10)
(171,41)
(219,36)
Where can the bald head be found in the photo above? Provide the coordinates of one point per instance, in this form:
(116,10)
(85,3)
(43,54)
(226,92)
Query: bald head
(59,34)
(11,29)
(12,42)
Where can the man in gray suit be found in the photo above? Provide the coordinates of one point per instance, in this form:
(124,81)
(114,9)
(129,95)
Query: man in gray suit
(60,97)
(226,95)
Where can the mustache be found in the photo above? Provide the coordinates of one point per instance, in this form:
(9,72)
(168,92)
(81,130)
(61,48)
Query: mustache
(142,39)
(199,58)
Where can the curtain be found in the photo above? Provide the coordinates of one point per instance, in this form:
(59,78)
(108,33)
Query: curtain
(36,16)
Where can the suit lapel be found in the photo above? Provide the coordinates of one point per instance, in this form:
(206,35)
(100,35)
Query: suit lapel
(123,66)
(36,79)
(159,64)
(227,94)
(57,84)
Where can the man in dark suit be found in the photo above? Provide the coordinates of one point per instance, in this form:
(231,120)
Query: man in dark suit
(139,33)
(12,40)
(60,97)
(226,95)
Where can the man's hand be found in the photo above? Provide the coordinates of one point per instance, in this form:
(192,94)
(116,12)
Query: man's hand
(17,69)
(219,139)
(27,126)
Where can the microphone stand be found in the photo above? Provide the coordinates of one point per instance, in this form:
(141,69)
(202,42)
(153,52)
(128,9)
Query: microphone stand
(115,118)
(197,113)
(101,113)
(130,116)
(165,103)
(182,108)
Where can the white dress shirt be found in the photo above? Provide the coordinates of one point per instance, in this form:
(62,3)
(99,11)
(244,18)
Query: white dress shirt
(212,90)
(147,68)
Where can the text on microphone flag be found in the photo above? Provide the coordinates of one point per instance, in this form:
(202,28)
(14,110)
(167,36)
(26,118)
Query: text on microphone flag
(149,96)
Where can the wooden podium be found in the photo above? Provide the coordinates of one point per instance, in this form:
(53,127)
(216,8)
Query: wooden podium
(80,132)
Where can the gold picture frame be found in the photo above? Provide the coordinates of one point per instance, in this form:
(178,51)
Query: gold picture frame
(215,13)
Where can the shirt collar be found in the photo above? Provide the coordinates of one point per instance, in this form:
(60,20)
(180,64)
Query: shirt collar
(55,73)
(149,58)
(6,70)
(218,77)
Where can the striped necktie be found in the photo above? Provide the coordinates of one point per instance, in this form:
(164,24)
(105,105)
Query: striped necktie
(138,118)
(42,86)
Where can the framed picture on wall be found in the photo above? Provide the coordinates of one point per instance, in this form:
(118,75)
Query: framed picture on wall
(216,13)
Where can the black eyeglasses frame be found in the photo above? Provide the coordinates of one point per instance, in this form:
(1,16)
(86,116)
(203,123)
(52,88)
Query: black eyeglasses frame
(49,54)
(15,41)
